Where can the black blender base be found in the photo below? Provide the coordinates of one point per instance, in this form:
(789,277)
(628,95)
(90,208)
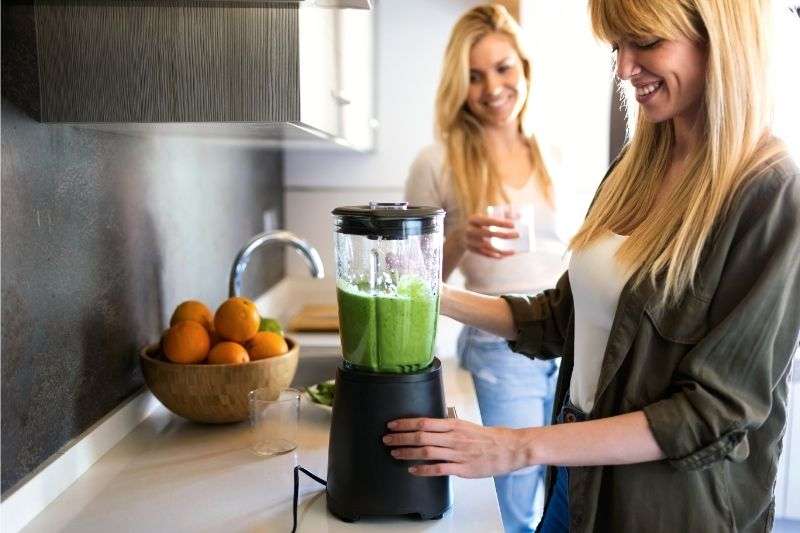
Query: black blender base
(350,518)
(363,477)
(338,513)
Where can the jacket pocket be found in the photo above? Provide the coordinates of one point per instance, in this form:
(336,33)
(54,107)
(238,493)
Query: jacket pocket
(682,323)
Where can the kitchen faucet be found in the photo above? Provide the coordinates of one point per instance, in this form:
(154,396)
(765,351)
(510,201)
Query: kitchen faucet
(273,237)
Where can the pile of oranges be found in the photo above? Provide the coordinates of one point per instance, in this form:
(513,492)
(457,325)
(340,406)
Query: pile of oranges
(236,333)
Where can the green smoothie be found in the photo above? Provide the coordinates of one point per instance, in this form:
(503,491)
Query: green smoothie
(392,332)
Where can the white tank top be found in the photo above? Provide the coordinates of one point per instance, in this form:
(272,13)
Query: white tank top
(596,279)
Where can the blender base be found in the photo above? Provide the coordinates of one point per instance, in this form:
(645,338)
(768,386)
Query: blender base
(334,510)
(363,478)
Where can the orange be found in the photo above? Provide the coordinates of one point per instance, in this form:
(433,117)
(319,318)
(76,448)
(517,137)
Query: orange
(237,319)
(194,311)
(186,342)
(227,352)
(266,344)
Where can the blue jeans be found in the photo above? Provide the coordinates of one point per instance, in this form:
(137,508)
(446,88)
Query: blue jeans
(556,516)
(517,392)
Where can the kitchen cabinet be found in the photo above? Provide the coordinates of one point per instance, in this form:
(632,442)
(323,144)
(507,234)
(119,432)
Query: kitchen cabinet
(280,74)
(337,72)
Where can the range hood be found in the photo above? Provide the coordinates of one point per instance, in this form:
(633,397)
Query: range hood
(269,71)
(345,4)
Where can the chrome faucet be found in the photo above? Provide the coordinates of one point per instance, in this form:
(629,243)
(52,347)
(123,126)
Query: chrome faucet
(272,237)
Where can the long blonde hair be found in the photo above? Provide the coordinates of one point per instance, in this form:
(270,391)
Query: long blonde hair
(669,239)
(466,156)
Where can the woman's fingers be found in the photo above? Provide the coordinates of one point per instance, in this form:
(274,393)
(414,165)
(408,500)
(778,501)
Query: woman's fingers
(423,424)
(482,245)
(419,438)
(427,453)
(483,220)
(479,231)
(489,251)
(441,469)
(475,232)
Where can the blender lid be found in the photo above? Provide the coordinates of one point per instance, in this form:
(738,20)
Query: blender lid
(396,220)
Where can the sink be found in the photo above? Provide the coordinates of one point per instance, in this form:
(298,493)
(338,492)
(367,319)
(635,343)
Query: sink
(316,364)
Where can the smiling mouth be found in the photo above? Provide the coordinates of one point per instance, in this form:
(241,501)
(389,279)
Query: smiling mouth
(497,104)
(648,89)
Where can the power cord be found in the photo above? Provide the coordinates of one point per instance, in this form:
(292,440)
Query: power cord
(297,470)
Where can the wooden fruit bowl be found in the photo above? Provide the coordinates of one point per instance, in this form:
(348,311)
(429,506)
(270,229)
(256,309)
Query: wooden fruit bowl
(215,394)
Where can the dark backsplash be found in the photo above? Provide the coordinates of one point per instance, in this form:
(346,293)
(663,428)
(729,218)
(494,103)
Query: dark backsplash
(102,235)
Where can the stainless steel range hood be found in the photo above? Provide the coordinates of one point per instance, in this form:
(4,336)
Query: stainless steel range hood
(251,70)
(347,4)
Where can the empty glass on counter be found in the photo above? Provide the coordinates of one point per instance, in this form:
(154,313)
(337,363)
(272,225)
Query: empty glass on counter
(273,421)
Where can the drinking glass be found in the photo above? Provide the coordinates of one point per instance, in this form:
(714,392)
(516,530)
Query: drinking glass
(522,215)
(273,421)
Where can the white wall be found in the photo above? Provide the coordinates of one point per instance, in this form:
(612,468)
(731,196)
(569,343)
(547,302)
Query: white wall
(571,93)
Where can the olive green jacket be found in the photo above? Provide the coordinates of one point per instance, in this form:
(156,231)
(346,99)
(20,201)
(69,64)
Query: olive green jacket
(710,374)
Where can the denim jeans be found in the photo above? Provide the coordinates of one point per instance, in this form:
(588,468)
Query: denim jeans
(517,392)
(556,515)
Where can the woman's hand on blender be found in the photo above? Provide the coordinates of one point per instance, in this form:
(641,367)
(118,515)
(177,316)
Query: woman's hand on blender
(465,449)
(479,231)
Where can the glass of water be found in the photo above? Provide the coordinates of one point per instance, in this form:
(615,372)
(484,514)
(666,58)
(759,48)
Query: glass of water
(522,215)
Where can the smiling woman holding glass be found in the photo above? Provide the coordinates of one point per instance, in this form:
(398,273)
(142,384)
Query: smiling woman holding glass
(680,311)
(501,228)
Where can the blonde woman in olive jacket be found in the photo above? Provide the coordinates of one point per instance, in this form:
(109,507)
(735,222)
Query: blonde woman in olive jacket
(680,311)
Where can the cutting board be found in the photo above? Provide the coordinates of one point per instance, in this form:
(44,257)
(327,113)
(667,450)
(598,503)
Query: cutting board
(315,318)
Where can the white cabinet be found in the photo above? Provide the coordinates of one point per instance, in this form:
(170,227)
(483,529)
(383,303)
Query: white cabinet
(337,74)
(356,95)
(318,69)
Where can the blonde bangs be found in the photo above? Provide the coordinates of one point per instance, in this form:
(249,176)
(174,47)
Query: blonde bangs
(613,20)
(668,239)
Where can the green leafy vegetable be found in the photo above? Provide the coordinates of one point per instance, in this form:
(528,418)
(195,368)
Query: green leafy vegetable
(322,393)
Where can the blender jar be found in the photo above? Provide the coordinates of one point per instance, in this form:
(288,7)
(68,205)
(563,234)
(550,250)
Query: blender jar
(388,279)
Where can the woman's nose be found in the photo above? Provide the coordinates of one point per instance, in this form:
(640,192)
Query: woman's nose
(493,84)
(627,65)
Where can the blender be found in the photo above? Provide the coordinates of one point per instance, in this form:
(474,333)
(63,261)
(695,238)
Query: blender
(388,280)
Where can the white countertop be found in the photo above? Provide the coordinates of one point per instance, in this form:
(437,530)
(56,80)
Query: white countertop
(170,474)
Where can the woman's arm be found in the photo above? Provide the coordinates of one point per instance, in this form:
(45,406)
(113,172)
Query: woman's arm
(489,313)
(469,450)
